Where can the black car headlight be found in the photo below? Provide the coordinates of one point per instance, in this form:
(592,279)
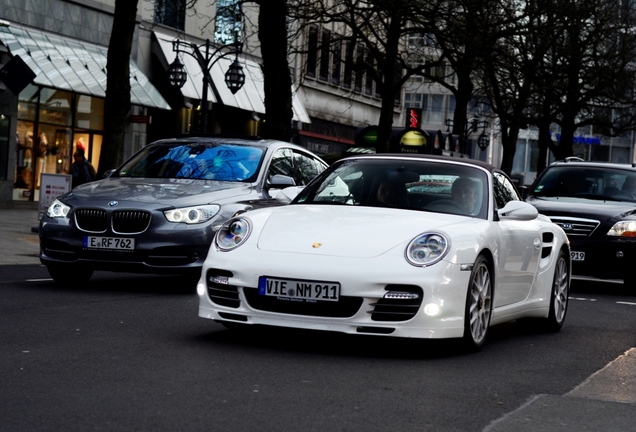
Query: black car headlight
(623,229)
(57,209)
(427,249)
(192,215)
(233,233)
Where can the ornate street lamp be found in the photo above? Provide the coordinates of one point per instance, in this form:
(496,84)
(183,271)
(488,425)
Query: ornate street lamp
(177,75)
(234,77)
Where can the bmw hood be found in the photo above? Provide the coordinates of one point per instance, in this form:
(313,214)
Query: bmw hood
(156,192)
(346,231)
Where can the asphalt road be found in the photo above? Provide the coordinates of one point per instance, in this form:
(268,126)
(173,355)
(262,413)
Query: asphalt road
(128,352)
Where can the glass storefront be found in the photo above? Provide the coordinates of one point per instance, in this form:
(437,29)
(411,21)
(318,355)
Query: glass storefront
(52,124)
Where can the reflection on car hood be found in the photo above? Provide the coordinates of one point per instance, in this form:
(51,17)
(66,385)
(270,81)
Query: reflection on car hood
(171,192)
(582,208)
(346,231)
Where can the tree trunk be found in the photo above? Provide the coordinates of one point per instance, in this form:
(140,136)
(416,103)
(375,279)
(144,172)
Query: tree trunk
(272,33)
(117,103)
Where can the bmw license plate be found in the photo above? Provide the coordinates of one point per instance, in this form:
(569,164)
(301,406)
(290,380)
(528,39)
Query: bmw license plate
(299,289)
(577,256)
(109,243)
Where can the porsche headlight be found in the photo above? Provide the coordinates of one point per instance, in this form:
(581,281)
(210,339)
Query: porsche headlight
(57,209)
(233,233)
(427,249)
(623,229)
(192,215)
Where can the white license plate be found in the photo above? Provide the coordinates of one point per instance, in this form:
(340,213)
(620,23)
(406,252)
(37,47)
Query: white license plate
(299,289)
(109,243)
(577,256)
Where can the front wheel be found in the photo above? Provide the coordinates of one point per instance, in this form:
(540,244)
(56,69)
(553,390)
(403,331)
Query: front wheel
(478,304)
(559,294)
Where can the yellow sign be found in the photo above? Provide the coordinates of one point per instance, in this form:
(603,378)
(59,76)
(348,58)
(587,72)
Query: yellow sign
(413,138)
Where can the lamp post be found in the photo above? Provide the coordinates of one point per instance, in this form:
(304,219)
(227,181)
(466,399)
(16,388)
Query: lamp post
(234,77)
(472,125)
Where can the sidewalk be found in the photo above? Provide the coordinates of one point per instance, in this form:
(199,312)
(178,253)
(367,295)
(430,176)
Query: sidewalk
(20,245)
(606,401)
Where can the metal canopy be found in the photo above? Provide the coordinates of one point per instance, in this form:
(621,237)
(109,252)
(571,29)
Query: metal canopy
(70,64)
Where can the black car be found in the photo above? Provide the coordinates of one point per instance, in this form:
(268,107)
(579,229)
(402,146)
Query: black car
(595,204)
(158,212)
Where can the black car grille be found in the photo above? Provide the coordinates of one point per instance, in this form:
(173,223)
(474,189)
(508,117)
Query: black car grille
(122,221)
(91,220)
(575,227)
(130,221)
(400,304)
(344,308)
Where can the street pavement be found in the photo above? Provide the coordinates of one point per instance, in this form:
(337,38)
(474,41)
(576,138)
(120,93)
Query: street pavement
(606,401)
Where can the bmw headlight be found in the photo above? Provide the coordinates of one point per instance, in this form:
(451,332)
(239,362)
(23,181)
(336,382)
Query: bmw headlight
(233,233)
(57,209)
(427,249)
(623,229)
(192,215)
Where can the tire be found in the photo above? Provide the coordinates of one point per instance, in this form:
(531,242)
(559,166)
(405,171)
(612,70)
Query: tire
(559,294)
(69,274)
(478,305)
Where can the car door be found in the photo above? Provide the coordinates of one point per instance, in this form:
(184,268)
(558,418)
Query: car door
(520,249)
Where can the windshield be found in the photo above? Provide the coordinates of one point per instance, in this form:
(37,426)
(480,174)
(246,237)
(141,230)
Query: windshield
(598,183)
(222,162)
(413,184)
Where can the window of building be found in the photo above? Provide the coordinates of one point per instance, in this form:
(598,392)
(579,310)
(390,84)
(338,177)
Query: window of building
(227,22)
(337,62)
(170,13)
(413,100)
(368,82)
(359,67)
(312,51)
(324,54)
(436,114)
(348,66)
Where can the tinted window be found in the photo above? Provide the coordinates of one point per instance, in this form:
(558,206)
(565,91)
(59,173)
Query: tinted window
(587,182)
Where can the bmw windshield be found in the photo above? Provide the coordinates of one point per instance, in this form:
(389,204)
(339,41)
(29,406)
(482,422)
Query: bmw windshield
(224,162)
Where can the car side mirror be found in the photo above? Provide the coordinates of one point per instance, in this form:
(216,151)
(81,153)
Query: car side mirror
(518,210)
(288,194)
(280,181)
(108,173)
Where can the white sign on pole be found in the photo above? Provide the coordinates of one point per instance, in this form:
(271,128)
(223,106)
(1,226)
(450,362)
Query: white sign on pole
(51,187)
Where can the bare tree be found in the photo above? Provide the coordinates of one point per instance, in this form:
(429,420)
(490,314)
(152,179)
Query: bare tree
(381,28)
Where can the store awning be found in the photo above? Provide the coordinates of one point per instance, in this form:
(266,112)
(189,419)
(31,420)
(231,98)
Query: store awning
(251,97)
(70,64)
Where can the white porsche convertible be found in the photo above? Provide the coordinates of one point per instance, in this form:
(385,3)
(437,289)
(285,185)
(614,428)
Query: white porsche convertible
(397,245)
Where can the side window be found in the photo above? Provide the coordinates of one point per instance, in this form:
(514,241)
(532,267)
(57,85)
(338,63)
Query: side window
(307,168)
(504,190)
(282,164)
